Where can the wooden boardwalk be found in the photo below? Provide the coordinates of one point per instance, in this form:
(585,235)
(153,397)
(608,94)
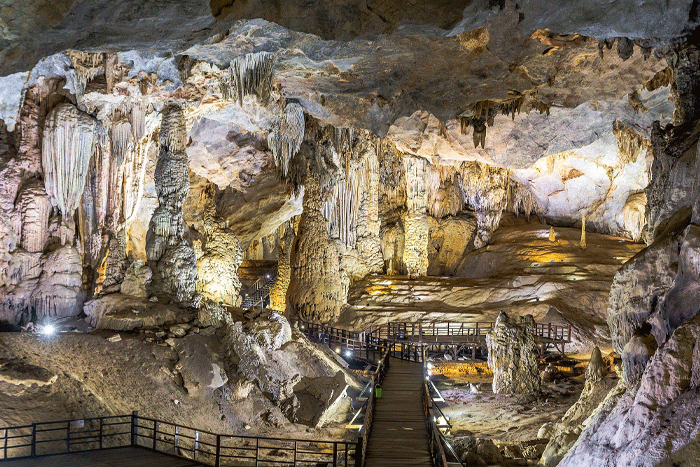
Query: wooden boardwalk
(118,457)
(399,436)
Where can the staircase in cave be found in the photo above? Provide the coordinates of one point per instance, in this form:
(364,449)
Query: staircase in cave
(258,293)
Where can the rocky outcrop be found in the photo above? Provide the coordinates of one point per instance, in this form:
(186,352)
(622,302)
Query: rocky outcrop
(513,355)
(297,376)
(635,430)
(172,259)
(316,292)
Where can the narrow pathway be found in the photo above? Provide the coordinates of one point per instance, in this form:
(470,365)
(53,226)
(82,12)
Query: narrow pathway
(399,436)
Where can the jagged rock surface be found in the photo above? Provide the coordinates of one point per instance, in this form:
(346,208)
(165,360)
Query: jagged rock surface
(513,355)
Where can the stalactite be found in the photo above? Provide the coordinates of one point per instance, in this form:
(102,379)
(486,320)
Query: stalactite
(485,190)
(341,208)
(484,112)
(444,193)
(630,143)
(521,199)
(137,118)
(251,73)
(68,144)
(87,66)
(287,135)
(416,184)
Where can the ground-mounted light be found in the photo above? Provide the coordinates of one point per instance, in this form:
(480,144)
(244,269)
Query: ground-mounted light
(337,350)
(348,353)
(48,330)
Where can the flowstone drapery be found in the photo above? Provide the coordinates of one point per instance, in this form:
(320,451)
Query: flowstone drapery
(67,146)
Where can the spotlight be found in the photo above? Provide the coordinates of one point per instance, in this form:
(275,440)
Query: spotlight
(337,350)
(348,353)
(48,330)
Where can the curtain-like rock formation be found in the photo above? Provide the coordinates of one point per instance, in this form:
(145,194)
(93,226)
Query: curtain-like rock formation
(67,146)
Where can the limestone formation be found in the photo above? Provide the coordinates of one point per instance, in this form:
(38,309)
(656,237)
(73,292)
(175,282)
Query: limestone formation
(35,209)
(172,258)
(287,136)
(512,355)
(59,291)
(315,295)
(136,280)
(67,146)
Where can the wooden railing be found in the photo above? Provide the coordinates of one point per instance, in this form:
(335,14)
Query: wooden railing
(93,434)
(363,433)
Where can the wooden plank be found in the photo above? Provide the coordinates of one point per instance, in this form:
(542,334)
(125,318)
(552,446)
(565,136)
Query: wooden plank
(399,416)
(119,457)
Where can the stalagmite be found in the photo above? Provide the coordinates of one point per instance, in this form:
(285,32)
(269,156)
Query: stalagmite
(217,266)
(278,291)
(552,237)
(68,143)
(513,357)
(287,136)
(170,257)
(583,232)
(251,73)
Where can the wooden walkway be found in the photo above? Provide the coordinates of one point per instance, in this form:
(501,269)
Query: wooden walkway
(399,436)
(118,457)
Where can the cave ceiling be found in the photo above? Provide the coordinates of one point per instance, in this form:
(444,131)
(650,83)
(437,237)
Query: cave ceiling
(510,85)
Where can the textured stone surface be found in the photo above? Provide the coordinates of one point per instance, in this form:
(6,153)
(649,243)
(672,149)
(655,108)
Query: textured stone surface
(634,431)
(513,355)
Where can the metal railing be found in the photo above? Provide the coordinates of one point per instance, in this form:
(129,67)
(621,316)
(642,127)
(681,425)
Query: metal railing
(259,291)
(65,436)
(205,447)
(368,407)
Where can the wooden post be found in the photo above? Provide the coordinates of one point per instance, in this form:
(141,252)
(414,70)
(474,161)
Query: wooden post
(134,432)
(33,439)
(155,433)
(359,458)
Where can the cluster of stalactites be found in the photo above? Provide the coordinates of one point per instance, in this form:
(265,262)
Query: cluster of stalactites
(67,146)
(486,189)
(484,112)
(630,143)
(416,172)
(87,66)
(287,135)
(342,207)
(249,74)
(520,199)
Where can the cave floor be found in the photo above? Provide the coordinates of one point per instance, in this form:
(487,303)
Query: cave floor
(503,417)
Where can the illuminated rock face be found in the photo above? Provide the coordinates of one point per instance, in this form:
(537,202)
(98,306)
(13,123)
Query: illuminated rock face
(400,139)
(513,355)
